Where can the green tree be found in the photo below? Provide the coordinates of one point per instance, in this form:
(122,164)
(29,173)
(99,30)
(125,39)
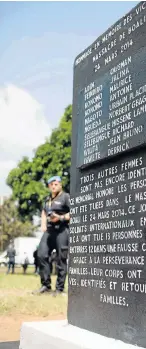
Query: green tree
(28,181)
(26,190)
(10,224)
(60,142)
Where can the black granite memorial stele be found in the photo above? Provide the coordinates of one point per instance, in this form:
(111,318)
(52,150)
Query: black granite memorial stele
(107,241)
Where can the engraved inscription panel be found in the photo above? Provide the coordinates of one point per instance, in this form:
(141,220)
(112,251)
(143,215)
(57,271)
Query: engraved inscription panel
(109,98)
(107,249)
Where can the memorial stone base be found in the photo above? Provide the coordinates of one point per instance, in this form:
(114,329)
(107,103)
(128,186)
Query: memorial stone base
(61,335)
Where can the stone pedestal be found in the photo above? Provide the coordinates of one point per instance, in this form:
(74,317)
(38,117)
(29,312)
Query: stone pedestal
(60,335)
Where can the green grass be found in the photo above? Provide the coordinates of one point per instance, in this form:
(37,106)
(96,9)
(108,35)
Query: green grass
(16,296)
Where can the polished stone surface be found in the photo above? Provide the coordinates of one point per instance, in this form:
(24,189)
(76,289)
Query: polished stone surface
(107,249)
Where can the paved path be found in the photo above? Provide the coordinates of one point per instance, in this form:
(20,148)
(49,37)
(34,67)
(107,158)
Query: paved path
(9,345)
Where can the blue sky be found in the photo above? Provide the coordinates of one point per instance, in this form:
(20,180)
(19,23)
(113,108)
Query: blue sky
(38,44)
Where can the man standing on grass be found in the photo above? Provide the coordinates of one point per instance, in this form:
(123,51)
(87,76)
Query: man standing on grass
(36,263)
(11,258)
(55,225)
(25,262)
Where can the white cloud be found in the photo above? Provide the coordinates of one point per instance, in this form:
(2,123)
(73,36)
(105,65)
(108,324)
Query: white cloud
(46,70)
(23,128)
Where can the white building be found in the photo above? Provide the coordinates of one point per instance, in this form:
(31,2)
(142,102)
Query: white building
(2,199)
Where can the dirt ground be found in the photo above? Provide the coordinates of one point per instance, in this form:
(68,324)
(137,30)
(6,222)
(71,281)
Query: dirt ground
(18,305)
(10,325)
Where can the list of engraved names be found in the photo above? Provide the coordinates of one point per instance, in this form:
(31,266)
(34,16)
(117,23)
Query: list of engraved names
(124,107)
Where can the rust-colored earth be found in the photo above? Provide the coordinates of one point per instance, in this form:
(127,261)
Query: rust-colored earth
(10,326)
